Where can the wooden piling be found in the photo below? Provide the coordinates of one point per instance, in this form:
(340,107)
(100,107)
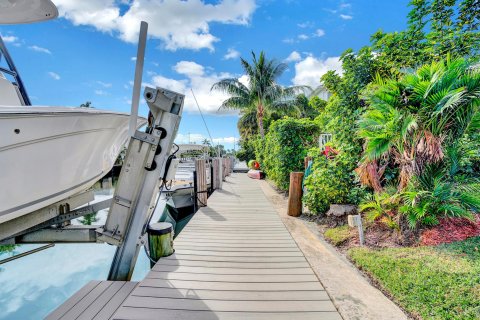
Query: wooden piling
(224,168)
(219,173)
(201,183)
(215,173)
(295,194)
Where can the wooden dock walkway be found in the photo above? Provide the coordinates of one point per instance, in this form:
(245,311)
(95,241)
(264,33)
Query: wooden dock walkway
(234,260)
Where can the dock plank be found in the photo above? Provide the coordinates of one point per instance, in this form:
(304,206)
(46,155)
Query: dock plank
(232,294)
(114,303)
(72,301)
(234,260)
(128,313)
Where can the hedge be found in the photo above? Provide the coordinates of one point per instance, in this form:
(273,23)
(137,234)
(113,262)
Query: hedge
(284,148)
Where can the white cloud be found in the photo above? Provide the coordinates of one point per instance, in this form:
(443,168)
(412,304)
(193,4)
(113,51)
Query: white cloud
(294,56)
(104,84)
(344,11)
(200,79)
(179,86)
(198,138)
(54,76)
(40,49)
(179,24)
(189,68)
(306,24)
(319,33)
(133,58)
(231,54)
(303,37)
(289,40)
(245,80)
(101,92)
(9,39)
(225,140)
(309,70)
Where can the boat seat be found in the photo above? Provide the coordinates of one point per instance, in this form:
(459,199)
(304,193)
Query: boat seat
(8,93)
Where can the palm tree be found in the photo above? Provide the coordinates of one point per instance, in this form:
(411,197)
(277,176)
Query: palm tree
(411,120)
(262,93)
(247,123)
(87,104)
(206,142)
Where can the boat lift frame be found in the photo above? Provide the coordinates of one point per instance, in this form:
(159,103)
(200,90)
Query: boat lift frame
(143,174)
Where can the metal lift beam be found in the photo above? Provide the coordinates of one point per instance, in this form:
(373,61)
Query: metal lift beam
(138,185)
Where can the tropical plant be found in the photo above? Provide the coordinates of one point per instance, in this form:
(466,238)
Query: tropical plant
(382,206)
(410,120)
(89,219)
(262,93)
(435,194)
(303,107)
(247,123)
(434,28)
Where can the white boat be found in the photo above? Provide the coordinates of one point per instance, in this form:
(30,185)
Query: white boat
(49,153)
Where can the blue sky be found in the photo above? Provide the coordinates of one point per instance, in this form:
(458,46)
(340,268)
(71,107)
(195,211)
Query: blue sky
(87,54)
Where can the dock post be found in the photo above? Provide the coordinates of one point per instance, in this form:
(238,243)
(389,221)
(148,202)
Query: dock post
(228,165)
(214,174)
(295,194)
(224,168)
(160,240)
(220,172)
(210,163)
(201,182)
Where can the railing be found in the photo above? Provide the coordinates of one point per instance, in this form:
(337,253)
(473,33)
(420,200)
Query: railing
(12,71)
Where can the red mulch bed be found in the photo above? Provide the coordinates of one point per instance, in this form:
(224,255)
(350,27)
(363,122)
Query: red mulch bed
(450,230)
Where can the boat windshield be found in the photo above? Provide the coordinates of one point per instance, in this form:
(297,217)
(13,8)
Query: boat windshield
(11,85)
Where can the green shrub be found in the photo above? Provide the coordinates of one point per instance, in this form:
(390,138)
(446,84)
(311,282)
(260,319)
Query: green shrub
(285,147)
(259,149)
(246,152)
(338,235)
(382,207)
(331,181)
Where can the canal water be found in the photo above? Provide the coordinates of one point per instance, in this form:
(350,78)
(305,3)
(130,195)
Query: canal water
(33,286)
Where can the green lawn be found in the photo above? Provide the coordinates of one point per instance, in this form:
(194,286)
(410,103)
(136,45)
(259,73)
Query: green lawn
(433,282)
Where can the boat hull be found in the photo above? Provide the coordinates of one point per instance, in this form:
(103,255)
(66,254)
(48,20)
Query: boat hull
(48,154)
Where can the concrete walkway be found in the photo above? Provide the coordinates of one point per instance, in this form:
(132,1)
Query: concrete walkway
(352,294)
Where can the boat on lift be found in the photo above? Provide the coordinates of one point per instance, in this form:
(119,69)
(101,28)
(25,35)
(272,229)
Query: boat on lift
(48,153)
(179,194)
